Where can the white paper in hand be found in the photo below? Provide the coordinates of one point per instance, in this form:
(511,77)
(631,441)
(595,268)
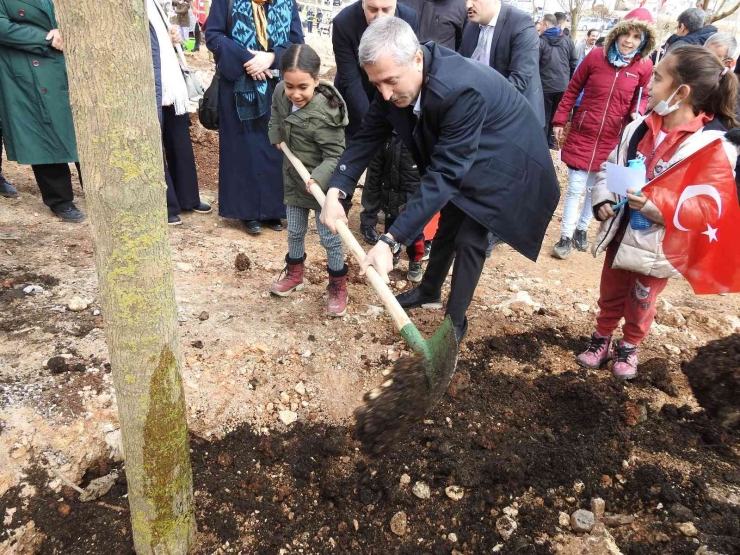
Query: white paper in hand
(621,178)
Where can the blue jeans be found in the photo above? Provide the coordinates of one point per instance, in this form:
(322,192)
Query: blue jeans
(578,182)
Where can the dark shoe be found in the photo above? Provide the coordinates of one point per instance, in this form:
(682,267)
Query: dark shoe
(415,272)
(416,298)
(562,248)
(174,220)
(369,235)
(275,225)
(70,214)
(6,189)
(461,331)
(252,227)
(580,240)
(202,208)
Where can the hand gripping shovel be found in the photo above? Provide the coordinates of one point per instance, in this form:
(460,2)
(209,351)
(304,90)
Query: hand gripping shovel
(416,383)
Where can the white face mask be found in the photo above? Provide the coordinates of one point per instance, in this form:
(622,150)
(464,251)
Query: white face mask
(663,108)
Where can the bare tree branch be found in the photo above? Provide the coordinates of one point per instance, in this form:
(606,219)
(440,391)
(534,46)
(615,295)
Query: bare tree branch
(727,13)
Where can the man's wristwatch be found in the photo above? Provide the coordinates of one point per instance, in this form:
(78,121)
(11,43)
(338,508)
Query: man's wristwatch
(394,245)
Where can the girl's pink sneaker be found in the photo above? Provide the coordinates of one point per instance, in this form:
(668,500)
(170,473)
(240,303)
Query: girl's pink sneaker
(597,354)
(625,361)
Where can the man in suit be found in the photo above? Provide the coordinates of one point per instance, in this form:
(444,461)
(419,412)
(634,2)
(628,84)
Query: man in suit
(352,83)
(441,21)
(505,38)
(480,150)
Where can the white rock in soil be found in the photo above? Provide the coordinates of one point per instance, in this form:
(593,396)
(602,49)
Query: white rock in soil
(399,523)
(688,529)
(583,307)
(455,492)
(513,512)
(77,304)
(452,537)
(300,388)
(405,480)
(672,349)
(564,520)
(287,417)
(582,521)
(506,526)
(421,490)
(33,289)
(598,506)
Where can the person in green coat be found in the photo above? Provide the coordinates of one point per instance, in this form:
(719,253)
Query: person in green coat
(34,100)
(309,116)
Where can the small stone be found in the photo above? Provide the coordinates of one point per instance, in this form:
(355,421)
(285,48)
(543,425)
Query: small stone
(77,304)
(460,382)
(421,490)
(399,523)
(506,526)
(578,486)
(33,289)
(582,521)
(57,365)
(598,506)
(225,460)
(688,529)
(513,288)
(401,284)
(583,307)
(203,316)
(452,537)
(682,513)
(356,524)
(198,344)
(300,388)
(455,492)
(342,527)
(405,480)
(63,509)
(564,520)
(287,417)
(634,413)
(96,312)
(606,481)
(704,550)
(672,349)
(242,262)
(615,521)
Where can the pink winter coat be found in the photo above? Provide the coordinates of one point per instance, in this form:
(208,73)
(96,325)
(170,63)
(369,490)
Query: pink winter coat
(610,96)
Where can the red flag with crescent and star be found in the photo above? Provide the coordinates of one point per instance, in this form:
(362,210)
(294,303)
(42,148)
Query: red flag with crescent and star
(699,202)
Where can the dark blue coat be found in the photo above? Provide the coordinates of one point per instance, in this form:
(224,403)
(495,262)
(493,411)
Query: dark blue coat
(157,65)
(478,144)
(351,80)
(250,177)
(515,53)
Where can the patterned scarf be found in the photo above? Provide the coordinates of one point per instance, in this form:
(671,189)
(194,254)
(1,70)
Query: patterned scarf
(255,29)
(617,59)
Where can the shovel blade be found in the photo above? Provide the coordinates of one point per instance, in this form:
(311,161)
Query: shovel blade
(441,360)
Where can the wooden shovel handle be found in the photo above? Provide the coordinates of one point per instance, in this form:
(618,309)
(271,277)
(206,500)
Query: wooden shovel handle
(399,316)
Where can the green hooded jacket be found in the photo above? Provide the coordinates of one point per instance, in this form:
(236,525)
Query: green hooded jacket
(34,95)
(315,134)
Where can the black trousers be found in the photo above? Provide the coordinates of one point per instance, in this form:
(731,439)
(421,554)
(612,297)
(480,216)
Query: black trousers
(180,172)
(1,148)
(552,101)
(196,32)
(55,184)
(371,198)
(461,238)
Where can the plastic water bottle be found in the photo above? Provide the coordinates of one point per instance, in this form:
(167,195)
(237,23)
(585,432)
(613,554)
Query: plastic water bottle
(637,220)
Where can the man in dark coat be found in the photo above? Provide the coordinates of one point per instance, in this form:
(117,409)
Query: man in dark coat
(440,21)
(352,83)
(505,38)
(480,150)
(690,28)
(34,101)
(556,52)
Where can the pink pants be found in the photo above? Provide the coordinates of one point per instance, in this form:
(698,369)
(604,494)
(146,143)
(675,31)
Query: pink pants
(629,295)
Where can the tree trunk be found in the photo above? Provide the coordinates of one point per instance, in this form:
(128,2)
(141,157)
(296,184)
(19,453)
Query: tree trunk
(118,137)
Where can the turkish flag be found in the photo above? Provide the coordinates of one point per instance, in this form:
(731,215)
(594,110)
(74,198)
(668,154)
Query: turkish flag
(699,202)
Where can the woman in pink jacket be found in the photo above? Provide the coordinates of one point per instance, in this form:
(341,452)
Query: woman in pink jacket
(611,79)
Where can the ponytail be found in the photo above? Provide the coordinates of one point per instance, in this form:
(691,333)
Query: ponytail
(713,86)
(330,95)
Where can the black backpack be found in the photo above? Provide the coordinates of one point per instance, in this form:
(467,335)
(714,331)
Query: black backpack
(208,104)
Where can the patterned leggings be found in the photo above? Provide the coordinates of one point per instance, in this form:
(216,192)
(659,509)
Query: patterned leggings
(297,229)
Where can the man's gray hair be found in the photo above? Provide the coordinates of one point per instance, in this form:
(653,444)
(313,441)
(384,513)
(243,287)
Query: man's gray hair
(692,19)
(388,35)
(723,41)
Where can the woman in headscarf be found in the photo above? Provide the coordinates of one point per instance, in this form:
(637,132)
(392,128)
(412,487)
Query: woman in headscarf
(248,43)
(172,102)
(611,79)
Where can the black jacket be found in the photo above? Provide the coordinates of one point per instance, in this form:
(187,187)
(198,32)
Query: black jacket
(478,144)
(440,21)
(351,80)
(515,53)
(395,174)
(555,63)
(698,37)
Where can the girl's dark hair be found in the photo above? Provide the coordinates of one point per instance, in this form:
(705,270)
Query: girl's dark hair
(713,86)
(301,57)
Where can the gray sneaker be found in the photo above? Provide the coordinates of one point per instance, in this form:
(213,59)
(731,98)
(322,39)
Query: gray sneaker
(562,248)
(415,272)
(580,240)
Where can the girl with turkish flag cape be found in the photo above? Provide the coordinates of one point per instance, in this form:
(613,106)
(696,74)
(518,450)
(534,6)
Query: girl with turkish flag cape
(692,98)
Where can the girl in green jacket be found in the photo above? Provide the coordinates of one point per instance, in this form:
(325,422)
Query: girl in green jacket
(309,116)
